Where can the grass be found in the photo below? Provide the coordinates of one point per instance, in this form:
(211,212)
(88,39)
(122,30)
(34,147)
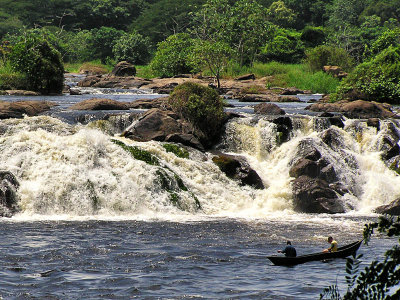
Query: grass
(11,80)
(287,75)
(94,67)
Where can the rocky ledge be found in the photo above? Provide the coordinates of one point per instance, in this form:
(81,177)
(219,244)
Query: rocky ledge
(20,108)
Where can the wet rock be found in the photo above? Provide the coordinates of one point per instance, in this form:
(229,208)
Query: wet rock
(305,167)
(307,150)
(284,127)
(99,104)
(124,68)
(268,109)
(20,108)
(186,139)
(149,103)
(333,138)
(291,91)
(374,122)
(328,174)
(21,93)
(8,194)
(258,98)
(358,109)
(313,195)
(392,208)
(237,168)
(89,81)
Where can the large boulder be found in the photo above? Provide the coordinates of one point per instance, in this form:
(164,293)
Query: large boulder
(8,194)
(358,109)
(392,208)
(313,195)
(160,102)
(20,108)
(237,168)
(124,68)
(163,125)
(268,109)
(99,104)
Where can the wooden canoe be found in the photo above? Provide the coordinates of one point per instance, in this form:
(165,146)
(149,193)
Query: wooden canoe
(341,253)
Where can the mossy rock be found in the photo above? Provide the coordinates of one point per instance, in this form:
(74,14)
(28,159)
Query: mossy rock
(175,149)
(227,165)
(138,153)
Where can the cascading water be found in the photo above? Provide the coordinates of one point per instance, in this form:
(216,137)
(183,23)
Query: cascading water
(71,171)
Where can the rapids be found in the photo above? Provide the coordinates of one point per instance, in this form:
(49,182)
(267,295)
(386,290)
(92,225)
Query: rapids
(77,170)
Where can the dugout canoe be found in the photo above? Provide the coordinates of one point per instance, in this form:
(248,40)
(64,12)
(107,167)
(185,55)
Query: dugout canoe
(342,252)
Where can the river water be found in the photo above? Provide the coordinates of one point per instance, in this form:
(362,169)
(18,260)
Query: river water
(133,243)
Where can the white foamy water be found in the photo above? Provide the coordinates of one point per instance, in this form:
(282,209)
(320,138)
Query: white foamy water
(73,172)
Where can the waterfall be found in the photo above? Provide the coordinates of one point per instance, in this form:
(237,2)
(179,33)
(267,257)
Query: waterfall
(78,170)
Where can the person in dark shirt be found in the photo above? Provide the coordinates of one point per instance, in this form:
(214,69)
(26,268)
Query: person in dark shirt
(289,250)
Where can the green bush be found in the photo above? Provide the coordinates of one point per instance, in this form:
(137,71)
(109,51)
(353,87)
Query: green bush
(133,48)
(39,62)
(172,56)
(325,55)
(285,46)
(201,106)
(102,41)
(377,79)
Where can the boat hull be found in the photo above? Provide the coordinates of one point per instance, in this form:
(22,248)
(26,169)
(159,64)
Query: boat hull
(342,252)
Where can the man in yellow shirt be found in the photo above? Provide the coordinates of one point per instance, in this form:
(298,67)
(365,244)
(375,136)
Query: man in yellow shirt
(333,247)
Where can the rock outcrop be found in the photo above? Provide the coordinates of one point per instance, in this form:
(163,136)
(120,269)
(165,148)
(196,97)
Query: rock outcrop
(124,68)
(99,104)
(315,186)
(237,168)
(8,194)
(392,208)
(163,125)
(20,108)
(268,109)
(358,109)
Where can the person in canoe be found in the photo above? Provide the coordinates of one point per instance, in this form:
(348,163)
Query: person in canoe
(289,250)
(333,247)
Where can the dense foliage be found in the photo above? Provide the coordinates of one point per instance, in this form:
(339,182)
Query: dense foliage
(175,36)
(39,62)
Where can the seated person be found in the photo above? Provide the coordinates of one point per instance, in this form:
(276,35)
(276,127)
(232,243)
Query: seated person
(289,250)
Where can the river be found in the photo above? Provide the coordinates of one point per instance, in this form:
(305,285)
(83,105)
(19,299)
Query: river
(133,243)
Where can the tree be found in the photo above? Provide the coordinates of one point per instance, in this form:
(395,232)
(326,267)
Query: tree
(40,62)
(102,42)
(133,48)
(380,280)
(243,25)
(166,17)
(214,56)
(280,15)
(173,56)
(285,46)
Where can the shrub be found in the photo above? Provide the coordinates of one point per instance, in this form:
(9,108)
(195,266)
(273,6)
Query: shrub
(102,41)
(377,79)
(172,56)
(201,106)
(390,37)
(36,59)
(325,55)
(133,48)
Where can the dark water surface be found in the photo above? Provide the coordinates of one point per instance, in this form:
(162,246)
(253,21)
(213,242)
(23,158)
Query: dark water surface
(217,259)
